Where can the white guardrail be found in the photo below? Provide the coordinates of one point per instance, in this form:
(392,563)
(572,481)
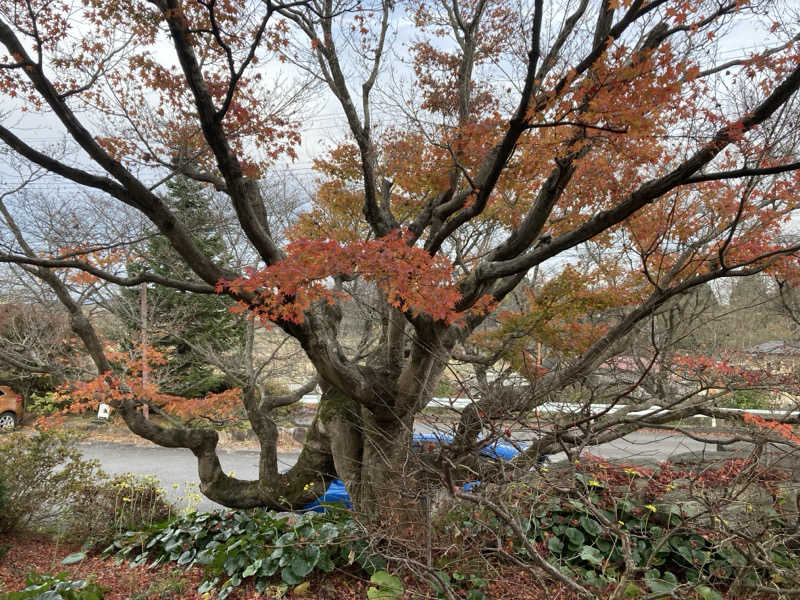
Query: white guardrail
(564,407)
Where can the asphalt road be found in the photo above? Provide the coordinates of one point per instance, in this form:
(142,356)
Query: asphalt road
(176,468)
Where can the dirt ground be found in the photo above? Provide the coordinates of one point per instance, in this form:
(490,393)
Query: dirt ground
(23,553)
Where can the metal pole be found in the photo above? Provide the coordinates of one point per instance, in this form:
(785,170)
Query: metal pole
(143,311)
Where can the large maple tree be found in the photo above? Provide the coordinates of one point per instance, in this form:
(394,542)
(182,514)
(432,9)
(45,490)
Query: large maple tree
(645,141)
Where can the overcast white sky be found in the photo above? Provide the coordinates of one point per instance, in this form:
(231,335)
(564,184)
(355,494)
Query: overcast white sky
(321,127)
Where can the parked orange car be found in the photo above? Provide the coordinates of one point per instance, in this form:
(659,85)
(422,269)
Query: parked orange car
(10,408)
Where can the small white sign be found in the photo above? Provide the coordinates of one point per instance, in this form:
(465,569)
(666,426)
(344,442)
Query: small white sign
(103,411)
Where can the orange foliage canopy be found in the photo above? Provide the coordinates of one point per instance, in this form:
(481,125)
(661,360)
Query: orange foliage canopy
(560,313)
(126,382)
(605,141)
(410,279)
(782,429)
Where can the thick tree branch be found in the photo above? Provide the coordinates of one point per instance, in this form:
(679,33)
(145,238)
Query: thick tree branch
(743,172)
(642,196)
(189,286)
(244,193)
(469,426)
(135,193)
(497,158)
(272,402)
(303,483)
(52,165)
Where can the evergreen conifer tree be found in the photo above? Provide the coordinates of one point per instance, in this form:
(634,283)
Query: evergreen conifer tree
(184,326)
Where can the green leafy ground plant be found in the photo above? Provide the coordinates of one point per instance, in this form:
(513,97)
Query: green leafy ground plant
(56,587)
(258,546)
(385,586)
(583,531)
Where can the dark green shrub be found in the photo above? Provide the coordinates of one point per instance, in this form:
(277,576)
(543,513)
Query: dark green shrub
(3,496)
(50,487)
(46,404)
(747,399)
(258,545)
(106,508)
(58,587)
(44,476)
(445,389)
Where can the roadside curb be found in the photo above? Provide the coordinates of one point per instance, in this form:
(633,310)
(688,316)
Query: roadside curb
(231,439)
